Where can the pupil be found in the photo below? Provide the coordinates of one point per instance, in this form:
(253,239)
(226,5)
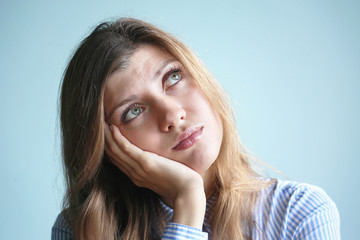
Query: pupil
(135,110)
(175,76)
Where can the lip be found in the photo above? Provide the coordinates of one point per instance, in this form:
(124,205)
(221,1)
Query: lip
(188,138)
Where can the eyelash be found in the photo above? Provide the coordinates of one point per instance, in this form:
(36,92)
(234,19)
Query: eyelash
(173,69)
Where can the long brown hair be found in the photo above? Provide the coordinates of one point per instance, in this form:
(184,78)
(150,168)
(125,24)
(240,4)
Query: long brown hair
(101,202)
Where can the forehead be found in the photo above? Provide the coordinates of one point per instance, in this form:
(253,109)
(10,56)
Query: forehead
(146,59)
(147,55)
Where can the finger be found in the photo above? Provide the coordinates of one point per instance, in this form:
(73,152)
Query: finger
(119,162)
(130,149)
(128,171)
(116,154)
(142,163)
(112,147)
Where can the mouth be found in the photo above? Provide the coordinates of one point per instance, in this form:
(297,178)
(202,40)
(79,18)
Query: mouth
(188,138)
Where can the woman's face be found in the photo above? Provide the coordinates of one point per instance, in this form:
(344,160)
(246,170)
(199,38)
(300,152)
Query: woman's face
(159,108)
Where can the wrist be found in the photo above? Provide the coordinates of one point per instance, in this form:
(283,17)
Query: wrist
(190,207)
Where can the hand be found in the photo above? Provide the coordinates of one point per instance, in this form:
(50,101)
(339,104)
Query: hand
(180,186)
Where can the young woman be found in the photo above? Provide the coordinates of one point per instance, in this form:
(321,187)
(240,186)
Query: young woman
(150,151)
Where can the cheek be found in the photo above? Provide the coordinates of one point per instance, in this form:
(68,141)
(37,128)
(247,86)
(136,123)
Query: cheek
(212,119)
(144,138)
(202,108)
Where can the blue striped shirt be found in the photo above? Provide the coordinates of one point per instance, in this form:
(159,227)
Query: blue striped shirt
(286,210)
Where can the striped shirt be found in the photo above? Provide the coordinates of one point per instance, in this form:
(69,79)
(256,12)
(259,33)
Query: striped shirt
(286,210)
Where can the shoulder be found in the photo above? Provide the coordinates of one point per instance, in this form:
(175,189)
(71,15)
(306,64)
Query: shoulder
(299,211)
(61,229)
(297,195)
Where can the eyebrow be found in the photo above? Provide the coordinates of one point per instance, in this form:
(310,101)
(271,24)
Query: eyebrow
(167,62)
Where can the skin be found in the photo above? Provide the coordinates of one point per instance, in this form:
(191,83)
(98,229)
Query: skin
(148,106)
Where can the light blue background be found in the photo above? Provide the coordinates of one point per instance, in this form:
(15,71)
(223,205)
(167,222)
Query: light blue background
(291,69)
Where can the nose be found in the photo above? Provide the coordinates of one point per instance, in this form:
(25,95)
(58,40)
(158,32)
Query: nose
(170,114)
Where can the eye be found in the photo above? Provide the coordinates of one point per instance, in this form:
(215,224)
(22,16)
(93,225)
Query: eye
(132,113)
(172,79)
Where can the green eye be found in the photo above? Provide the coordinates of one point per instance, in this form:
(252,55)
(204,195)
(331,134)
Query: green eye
(172,79)
(132,113)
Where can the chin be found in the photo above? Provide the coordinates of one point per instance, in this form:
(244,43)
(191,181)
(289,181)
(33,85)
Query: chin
(202,161)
